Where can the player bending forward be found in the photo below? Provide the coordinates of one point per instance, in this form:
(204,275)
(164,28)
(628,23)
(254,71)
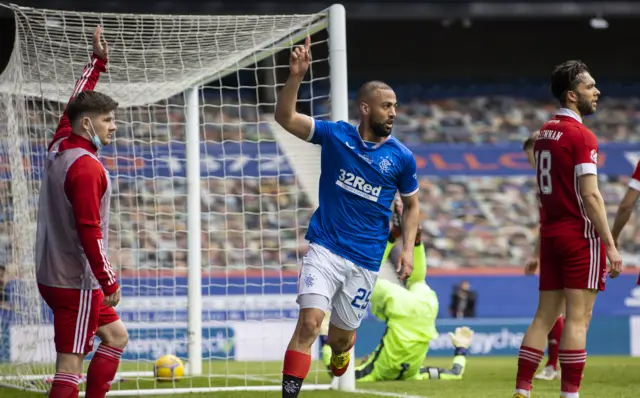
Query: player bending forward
(626,207)
(362,168)
(574,233)
(74,276)
(550,370)
(410,314)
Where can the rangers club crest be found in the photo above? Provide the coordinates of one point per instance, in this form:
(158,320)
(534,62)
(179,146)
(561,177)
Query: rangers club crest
(385,165)
(309,280)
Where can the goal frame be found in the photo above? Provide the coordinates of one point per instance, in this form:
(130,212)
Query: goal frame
(339,95)
(336,24)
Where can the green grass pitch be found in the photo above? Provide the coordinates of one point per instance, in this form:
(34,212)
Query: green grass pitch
(491,377)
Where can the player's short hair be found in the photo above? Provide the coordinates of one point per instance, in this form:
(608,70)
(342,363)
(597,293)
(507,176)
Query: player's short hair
(566,77)
(89,102)
(369,87)
(528,143)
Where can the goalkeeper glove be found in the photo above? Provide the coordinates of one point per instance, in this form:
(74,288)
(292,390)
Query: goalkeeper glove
(462,337)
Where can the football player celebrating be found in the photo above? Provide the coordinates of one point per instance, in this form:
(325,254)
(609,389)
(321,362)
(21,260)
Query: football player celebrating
(362,168)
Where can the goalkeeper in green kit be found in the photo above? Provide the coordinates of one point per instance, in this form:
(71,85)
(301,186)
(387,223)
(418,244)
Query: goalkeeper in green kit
(410,313)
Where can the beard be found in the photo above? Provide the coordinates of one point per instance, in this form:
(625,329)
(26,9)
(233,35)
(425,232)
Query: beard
(584,106)
(379,129)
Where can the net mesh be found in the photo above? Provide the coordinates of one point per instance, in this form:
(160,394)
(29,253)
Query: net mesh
(258,186)
(151,56)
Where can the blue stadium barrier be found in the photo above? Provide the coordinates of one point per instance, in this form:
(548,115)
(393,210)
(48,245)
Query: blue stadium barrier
(502,336)
(257,298)
(155,311)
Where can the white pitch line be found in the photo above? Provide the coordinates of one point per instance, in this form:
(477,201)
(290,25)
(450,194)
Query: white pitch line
(357,391)
(230,376)
(252,378)
(387,393)
(128,376)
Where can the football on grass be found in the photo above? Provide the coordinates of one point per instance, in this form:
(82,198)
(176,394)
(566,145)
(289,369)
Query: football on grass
(168,368)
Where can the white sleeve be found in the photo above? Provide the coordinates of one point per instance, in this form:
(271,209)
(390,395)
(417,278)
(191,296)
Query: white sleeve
(586,168)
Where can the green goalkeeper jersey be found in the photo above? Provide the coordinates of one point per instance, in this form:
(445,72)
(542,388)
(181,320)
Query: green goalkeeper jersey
(410,314)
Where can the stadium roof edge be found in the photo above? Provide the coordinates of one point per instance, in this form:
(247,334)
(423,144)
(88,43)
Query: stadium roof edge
(358,9)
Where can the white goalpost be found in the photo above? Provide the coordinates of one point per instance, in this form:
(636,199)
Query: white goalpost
(211,198)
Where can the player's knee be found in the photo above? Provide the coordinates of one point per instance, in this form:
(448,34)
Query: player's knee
(114,335)
(69,363)
(575,330)
(308,327)
(549,307)
(579,302)
(576,323)
(581,315)
(545,317)
(588,314)
(121,340)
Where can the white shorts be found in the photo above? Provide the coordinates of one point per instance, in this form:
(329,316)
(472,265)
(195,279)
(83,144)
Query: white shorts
(348,287)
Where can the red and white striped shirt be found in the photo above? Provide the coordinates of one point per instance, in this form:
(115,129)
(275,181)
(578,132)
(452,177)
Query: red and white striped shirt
(73,214)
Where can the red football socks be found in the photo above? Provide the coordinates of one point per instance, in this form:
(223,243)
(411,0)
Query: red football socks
(554,342)
(295,369)
(102,370)
(572,363)
(296,364)
(65,385)
(528,362)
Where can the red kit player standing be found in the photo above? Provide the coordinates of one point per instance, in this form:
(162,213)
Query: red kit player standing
(575,240)
(627,205)
(550,370)
(74,276)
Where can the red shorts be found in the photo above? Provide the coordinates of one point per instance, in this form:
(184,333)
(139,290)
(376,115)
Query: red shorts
(77,314)
(572,263)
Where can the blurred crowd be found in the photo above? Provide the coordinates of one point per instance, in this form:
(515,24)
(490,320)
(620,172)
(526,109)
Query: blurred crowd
(492,221)
(492,119)
(260,222)
(475,120)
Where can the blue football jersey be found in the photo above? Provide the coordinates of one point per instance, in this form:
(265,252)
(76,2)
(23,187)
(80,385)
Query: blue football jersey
(358,183)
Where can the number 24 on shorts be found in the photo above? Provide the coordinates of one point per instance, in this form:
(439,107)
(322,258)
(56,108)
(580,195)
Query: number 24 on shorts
(363,295)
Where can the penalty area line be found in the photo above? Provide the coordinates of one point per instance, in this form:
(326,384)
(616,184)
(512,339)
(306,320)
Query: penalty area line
(386,393)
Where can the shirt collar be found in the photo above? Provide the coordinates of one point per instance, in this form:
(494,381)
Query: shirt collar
(569,113)
(80,142)
(364,144)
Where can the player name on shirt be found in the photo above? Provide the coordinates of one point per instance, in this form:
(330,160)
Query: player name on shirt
(550,135)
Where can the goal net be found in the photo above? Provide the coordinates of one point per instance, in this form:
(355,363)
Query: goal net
(211,198)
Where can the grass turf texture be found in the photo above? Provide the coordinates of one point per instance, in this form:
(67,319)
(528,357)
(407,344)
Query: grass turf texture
(484,378)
